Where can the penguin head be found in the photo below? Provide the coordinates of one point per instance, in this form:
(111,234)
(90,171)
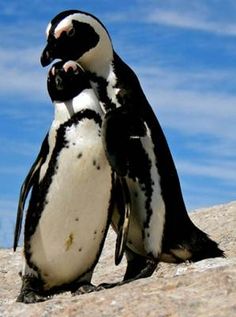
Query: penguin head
(66,80)
(79,36)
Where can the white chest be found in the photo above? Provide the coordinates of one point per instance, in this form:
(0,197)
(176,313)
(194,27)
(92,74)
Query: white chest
(71,229)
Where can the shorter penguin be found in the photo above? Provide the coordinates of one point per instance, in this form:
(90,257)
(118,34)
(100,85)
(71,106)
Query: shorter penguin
(71,183)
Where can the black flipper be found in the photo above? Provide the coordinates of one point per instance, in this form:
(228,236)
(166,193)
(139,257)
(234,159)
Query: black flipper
(120,129)
(122,133)
(26,187)
(124,212)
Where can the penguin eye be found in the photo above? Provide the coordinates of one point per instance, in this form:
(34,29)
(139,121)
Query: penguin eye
(71,32)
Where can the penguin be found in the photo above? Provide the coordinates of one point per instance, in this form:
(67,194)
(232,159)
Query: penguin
(136,148)
(72,184)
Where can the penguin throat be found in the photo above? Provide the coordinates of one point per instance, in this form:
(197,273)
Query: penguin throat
(106,89)
(98,60)
(100,68)
(63,111)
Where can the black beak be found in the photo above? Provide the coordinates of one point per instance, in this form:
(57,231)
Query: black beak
(47,56)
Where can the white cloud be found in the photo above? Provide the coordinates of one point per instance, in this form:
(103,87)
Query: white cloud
(214,169)
(19,147)
(7,207)
(12,170)
(22,74)
(191,20)
(189,101)
(198,113)
(212,180)
(193,15)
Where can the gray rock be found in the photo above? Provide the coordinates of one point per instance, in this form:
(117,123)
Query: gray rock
(206,288)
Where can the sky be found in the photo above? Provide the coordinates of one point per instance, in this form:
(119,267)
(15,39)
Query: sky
(184,53)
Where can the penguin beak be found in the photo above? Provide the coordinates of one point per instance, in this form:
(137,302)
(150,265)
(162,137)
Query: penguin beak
(47,56)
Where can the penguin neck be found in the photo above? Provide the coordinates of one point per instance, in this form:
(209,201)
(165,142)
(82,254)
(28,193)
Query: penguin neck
(98,59)
(104,81)
(64,110)
(100,67)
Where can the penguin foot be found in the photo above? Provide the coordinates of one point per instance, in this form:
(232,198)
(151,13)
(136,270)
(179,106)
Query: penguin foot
(103,286)
(145,272)
(84,289)
(139,267)
(30,297)
(31,291)
(148,270)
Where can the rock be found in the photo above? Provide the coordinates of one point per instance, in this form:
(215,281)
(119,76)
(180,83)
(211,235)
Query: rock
(205,288)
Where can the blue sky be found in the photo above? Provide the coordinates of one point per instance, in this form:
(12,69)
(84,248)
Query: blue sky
(184,53)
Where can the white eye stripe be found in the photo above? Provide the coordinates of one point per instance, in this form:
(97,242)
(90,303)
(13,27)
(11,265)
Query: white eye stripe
(70,64)
(58,32)
(64,25)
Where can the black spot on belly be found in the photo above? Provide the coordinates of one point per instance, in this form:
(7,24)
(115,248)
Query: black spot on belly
(77,219)
(79,155)
(80,249)
(95,232)
(95,164)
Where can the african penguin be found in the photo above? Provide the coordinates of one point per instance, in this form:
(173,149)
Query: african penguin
(71,182)
(160,228)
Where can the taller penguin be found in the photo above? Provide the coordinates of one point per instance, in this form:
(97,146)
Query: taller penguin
(136,147)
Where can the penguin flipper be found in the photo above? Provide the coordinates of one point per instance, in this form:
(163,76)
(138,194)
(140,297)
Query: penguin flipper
(26,187)
(123,225)
(120,129)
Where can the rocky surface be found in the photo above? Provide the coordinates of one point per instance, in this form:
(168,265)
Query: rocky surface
(205,288)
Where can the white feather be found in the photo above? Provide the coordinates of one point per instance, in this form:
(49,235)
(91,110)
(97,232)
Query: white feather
(71,228)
